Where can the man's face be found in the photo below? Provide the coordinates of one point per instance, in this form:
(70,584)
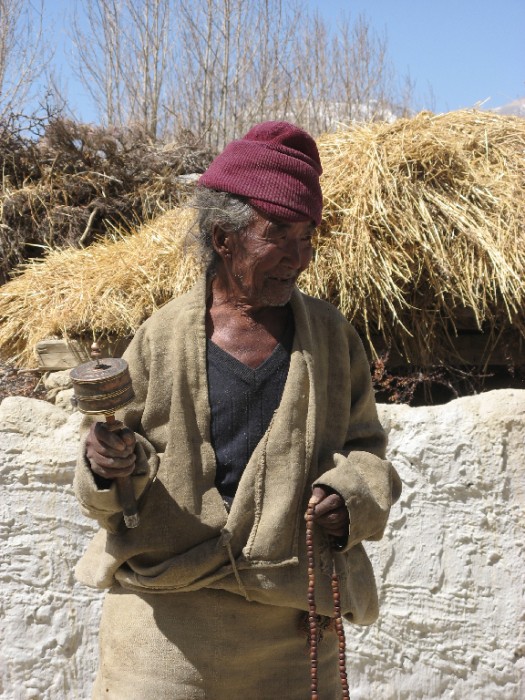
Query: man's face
(267,259)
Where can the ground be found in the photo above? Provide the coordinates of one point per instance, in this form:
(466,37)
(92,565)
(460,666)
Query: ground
(14,382)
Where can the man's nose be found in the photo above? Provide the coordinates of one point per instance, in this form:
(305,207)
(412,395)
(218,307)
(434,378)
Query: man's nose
(293,253)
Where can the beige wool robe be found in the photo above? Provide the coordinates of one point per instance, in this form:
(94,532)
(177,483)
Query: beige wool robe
(325,431)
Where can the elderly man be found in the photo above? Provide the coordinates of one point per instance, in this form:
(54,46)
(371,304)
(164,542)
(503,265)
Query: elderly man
(250,397)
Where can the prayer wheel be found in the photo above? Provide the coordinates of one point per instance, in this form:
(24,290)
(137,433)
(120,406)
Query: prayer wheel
(103,386)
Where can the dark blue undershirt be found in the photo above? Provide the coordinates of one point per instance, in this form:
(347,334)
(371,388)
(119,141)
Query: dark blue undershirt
(243,401)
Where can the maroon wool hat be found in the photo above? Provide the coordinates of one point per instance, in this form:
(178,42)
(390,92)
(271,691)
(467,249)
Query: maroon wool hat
(276,166)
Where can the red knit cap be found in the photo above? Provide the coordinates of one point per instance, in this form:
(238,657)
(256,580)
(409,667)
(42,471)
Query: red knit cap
(276,166)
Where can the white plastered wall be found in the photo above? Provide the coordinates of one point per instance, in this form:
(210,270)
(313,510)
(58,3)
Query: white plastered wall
(450,569)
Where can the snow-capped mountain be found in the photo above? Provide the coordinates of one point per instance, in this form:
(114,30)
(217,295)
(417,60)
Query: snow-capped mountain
(515,108)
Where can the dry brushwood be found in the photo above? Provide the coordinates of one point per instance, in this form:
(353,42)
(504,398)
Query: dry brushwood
(423,222)
(77,182)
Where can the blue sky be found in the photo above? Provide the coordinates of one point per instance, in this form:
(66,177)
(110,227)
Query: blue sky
(461,51)
(458,52)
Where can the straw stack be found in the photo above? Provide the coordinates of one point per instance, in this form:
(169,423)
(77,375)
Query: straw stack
(424,228)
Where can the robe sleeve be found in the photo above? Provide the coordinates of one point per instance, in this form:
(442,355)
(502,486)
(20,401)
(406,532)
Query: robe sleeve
(367,482)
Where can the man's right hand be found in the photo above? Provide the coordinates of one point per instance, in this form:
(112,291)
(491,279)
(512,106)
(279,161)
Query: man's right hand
(111,454)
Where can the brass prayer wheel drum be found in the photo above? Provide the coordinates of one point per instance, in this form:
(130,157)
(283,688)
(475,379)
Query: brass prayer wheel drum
(102,386)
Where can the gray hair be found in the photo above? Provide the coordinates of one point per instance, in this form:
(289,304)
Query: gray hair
(223,209)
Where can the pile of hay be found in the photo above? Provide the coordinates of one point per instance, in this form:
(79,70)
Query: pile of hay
(105,290)
(76,182)
(423,227)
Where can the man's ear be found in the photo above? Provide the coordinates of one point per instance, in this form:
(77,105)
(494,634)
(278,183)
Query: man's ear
(221,241)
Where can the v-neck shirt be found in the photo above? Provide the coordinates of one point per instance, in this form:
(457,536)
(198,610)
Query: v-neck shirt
(242,402)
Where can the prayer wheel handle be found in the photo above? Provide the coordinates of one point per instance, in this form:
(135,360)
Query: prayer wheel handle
(103,386)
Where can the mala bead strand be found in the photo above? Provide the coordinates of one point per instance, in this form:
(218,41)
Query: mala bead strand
(312,611)
(312,614)
(340,635)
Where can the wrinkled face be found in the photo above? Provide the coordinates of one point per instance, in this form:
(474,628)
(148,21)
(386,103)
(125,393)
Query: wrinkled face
(264,262)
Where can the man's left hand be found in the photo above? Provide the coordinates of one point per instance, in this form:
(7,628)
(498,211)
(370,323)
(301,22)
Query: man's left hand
(330,511)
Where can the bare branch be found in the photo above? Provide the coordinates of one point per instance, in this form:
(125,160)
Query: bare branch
(23,54)
(122,58)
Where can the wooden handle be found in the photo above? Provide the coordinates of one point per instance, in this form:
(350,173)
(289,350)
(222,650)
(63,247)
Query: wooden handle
(124,485)
(127,500)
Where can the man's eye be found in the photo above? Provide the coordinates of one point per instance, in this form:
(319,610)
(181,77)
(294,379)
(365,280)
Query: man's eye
(277,234)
